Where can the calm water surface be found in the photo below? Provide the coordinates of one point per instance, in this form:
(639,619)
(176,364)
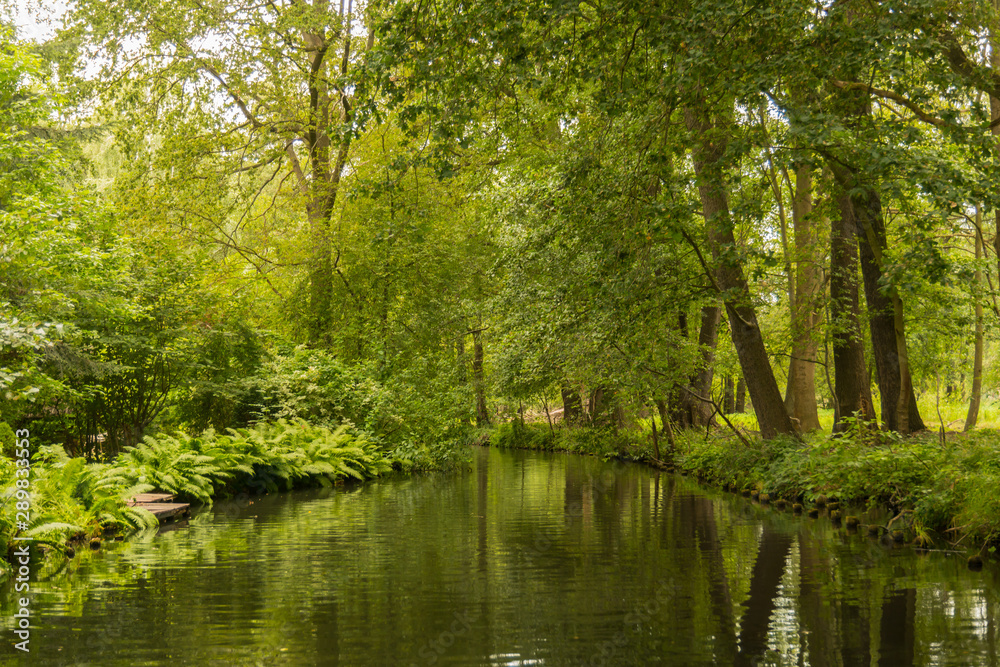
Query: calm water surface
(526,559)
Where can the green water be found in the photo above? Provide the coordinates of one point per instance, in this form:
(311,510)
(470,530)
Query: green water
(526,559)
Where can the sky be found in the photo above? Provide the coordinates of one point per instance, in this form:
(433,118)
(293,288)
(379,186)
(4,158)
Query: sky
(36,20)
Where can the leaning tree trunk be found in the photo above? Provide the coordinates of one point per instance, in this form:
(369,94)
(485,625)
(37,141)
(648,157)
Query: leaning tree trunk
(853,394)
(708,153)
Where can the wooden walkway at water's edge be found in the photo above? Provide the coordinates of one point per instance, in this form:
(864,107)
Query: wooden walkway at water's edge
(159,504)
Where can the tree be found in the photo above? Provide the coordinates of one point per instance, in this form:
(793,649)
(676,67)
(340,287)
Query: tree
(853,395)
(233,109)
(800,396)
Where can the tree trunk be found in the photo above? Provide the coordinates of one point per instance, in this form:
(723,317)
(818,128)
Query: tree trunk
(728,395)
(701,384)
(482,415)
(741,395)
(461,361)
(710,141)
(885,311)
(326,168)
(681,402)
(606,408)
(977,362)
(853,394)
(885,308)
(995,119)
(800,397)
(572,405)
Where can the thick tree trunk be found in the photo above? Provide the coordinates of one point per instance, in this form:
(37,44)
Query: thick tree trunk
(800,396)
(853,394)
(885,318)
(572,405)
(478,379)
(708,153)
(326,168)
(977,361)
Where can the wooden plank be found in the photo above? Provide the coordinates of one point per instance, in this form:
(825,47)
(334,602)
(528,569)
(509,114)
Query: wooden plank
(165,510)
(151,498)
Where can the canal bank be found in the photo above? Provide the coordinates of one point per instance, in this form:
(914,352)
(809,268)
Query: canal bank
(944,494)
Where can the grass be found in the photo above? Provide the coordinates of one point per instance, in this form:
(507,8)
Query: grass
(953,415)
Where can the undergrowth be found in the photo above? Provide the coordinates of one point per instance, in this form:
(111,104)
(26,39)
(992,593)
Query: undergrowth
(950,489)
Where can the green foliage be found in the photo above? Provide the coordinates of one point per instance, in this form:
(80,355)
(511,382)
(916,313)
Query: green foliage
(73,498)
(272,456)
(950,487)
(418,413)
(7,440)
(605,443)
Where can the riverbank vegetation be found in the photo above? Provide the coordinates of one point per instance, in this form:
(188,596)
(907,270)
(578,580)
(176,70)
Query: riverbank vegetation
(942,492)
(415,220)
(76,500)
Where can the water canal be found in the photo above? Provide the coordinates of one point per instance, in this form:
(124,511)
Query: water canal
(526,559)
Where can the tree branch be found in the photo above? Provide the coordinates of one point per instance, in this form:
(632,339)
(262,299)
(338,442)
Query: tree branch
(895,97)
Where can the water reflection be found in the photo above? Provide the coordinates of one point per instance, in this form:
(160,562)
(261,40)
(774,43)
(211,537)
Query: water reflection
(528,559)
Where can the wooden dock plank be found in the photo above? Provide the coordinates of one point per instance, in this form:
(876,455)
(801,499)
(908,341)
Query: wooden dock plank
(151,498)
(165,510)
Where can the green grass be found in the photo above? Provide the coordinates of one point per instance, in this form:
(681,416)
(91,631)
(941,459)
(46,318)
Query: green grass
(953,415)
